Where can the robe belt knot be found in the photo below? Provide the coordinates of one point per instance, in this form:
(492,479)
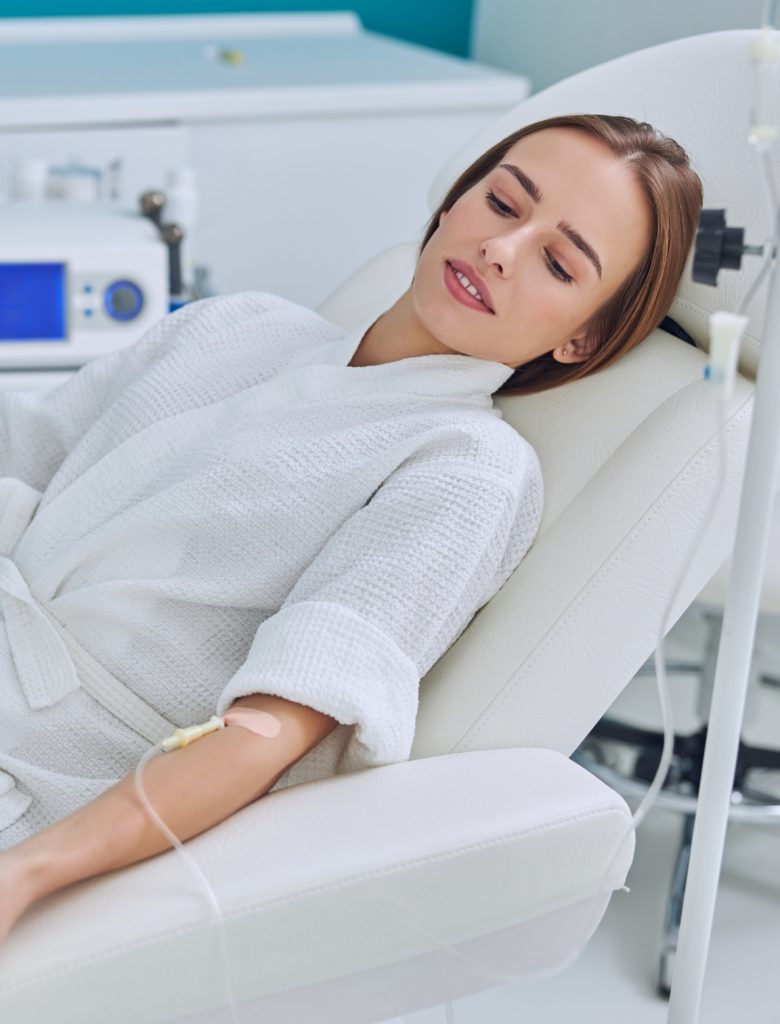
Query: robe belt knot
(50,662)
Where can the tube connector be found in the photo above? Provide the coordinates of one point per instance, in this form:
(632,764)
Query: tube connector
(183,737)
(764,52)
(765,46)
(726,330)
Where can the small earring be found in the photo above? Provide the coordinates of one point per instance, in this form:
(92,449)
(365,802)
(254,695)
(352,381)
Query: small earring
(564,351)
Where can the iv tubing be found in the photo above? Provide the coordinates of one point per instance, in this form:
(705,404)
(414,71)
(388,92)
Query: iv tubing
(160,748)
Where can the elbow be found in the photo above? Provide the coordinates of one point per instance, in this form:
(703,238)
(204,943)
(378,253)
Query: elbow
(302,727)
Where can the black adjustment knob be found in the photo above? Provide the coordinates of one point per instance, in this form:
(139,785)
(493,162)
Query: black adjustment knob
(733,244)
(716,247)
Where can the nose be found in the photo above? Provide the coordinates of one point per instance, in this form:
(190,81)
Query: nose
(502,251)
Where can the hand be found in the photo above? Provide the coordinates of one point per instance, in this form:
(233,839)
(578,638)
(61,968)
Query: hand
(16,894)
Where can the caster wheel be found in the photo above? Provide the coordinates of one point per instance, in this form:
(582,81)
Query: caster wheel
(665,971)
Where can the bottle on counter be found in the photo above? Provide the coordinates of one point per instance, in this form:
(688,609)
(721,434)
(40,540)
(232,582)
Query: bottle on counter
(29,178)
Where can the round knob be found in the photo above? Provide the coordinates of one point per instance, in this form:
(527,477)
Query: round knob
(716,247)
(123,300)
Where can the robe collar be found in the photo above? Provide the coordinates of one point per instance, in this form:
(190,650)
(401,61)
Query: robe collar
(440,375)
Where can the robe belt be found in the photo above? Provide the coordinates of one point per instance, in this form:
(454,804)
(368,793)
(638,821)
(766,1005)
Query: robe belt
(50,663)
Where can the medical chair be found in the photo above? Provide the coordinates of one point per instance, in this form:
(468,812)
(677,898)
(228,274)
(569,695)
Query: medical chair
(490,839)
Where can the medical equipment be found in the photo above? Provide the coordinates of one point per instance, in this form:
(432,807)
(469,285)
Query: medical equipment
(151,204)
(179,203)
(76,282)
(173,236)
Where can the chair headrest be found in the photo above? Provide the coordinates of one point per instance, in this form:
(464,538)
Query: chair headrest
(699,91)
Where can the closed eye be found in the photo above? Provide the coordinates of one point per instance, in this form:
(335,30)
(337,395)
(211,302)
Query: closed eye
(506,211)
(498,206)
(557,270)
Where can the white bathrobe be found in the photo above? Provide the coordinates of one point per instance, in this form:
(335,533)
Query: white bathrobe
(226,507)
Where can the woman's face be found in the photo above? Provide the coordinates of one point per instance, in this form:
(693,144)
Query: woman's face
(558,236)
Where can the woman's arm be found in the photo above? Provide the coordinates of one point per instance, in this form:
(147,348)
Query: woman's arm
(192,788)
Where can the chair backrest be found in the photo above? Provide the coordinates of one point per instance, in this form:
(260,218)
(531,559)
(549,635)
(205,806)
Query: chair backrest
(629,455)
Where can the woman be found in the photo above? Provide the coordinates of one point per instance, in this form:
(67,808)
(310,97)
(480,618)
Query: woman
(250,506)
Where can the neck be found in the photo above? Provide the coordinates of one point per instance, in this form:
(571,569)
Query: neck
(397,334)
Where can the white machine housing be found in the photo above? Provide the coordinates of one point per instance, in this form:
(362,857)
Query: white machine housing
(101,270)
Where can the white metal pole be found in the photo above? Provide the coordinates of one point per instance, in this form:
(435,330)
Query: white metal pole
(731,675)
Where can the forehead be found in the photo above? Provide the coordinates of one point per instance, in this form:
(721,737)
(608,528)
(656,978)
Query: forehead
(587,185)
(555,149)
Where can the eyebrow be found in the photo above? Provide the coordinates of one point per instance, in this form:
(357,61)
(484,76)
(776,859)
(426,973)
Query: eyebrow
(574,236)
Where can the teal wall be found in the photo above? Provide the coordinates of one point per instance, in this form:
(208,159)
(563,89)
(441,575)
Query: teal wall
(442,24)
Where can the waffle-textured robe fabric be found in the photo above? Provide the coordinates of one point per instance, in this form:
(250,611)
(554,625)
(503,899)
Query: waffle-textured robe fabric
(226,507)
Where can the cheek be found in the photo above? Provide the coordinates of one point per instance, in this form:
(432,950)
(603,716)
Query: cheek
(545,311)
(540,300)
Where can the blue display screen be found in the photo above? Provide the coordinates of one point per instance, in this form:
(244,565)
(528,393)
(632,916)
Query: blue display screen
(32,302)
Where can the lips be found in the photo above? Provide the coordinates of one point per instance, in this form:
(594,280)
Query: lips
(466,268)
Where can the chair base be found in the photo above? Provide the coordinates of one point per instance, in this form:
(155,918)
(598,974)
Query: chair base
(679,793)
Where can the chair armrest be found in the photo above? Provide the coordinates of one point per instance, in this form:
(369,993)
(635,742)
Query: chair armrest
(468,843)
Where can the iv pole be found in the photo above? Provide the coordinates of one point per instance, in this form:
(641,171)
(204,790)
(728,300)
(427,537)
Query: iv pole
(761,480)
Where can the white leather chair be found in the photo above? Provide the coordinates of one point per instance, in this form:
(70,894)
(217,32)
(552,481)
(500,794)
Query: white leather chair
(496,842)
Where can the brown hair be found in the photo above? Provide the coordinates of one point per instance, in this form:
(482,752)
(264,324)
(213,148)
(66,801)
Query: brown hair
(674,195)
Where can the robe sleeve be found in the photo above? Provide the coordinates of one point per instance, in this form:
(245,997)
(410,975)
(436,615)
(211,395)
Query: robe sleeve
(389,593)
(39,428)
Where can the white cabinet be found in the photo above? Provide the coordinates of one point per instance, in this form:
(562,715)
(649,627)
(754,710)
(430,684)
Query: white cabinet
(314,142)
(302,204)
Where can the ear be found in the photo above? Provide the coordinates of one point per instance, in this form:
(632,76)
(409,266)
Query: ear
(578,349)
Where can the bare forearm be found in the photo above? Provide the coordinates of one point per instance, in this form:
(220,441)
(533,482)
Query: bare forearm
(192,789)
